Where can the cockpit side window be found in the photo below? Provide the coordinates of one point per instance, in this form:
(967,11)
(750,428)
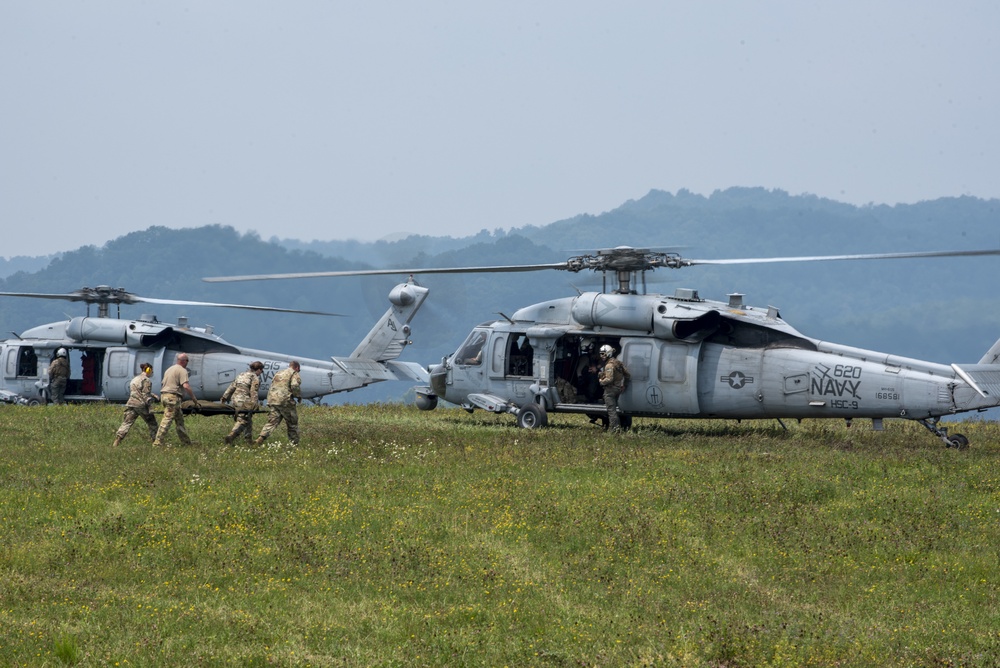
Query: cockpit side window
(471,352)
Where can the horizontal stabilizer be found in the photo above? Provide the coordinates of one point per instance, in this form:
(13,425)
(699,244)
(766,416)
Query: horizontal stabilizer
(372,371)
(409,371)
(984,378)
(362,368)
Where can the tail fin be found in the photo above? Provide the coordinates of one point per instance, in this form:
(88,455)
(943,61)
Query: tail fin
(992,355)
(983,377)
(386,340)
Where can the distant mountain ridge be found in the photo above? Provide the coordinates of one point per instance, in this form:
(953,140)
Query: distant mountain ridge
(18,263)
(734,219)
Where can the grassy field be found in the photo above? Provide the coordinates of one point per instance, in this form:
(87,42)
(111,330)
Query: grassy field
(392,537)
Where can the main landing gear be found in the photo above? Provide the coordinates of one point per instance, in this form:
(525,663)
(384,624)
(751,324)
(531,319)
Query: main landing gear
(532,416)
(957,441)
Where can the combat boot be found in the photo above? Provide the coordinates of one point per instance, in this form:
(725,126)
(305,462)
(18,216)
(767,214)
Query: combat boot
(118,441)
(259,441)
(229,439)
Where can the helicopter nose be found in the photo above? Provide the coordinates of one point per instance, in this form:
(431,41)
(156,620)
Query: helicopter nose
(439,379)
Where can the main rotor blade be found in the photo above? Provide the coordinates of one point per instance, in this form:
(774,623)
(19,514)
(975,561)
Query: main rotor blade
(389,272)
(248,307)
(620,259)
(121,297)
(819,258)
(70,297)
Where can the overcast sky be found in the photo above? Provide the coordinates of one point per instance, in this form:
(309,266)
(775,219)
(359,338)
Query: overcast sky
(332,120)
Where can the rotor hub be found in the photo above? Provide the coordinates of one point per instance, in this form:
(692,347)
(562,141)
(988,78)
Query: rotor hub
(625,259)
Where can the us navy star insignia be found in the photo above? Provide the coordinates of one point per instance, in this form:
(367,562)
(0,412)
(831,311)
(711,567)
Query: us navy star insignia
(736,379)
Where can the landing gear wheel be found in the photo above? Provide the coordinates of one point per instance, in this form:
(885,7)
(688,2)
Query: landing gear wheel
(532,416)
(957,441)
(625,422)
(35,401)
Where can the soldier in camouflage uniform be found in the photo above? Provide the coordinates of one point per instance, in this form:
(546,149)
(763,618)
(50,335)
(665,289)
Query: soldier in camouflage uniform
(244,394)
(173,385)
(140,396)
(613,378)
(285,389)
(58,376)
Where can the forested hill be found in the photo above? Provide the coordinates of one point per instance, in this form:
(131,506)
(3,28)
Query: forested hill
(18,263)
(724,225)
(942,309)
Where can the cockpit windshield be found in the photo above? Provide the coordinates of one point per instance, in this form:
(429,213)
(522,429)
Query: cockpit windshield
(471,351)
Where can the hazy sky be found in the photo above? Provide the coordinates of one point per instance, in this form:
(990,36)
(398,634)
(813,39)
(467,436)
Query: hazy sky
(335,120)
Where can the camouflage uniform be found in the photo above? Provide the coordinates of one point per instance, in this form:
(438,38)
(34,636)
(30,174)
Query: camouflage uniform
(140,396)
(171,396)
(58,378)
(567,393)
(243,392)
(285,389)
(613,377)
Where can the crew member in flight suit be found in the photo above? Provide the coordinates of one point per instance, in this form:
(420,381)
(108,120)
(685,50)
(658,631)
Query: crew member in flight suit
(59,376)
(613,378)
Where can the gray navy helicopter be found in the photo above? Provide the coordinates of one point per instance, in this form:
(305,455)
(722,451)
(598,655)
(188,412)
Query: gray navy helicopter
(689,357)
(106,352)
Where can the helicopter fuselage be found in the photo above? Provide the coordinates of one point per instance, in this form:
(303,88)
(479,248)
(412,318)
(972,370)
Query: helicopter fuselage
(106,353)
(694,358)
(688,357)
(101,370)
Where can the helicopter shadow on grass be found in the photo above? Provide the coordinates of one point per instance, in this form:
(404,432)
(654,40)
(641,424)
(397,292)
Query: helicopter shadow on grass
(721,429)
(459,417)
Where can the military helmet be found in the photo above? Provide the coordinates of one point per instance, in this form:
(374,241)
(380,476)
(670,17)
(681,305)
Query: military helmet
(607,351)
(61,352)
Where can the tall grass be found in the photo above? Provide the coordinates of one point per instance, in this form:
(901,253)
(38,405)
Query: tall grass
(395,537)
